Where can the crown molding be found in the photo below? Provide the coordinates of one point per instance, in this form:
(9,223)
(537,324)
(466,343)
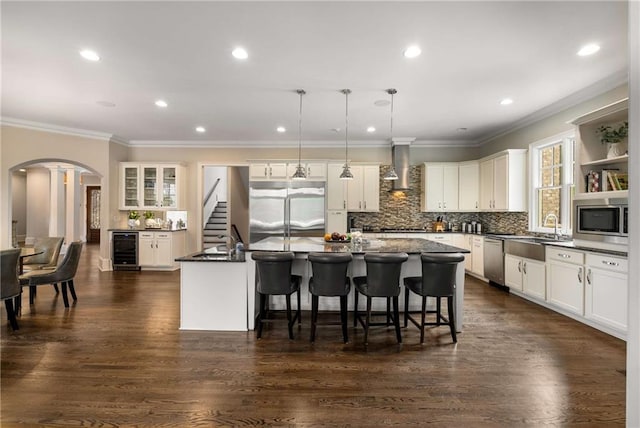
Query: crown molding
(47,127)
(445,143)
(608,83)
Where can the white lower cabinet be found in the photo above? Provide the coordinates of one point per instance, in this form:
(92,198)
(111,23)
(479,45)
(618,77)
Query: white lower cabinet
(565,279)
(606,290)
(159,249)
(477,255)
(525,275)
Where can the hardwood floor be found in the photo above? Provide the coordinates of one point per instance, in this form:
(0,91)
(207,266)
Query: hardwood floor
(117,358)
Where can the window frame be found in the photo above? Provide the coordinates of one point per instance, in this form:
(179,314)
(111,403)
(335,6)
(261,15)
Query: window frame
(567,139)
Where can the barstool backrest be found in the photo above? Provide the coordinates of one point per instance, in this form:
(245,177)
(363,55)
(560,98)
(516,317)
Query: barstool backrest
(383,273)
(273,272)
(10,285)
(439,274)
(330,274)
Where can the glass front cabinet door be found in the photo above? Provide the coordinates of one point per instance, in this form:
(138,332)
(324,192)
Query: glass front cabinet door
(129,187)
(150,187)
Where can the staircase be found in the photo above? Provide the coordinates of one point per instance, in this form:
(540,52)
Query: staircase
(216,225)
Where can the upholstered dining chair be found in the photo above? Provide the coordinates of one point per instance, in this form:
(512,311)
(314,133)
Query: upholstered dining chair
(10,285)
(49,258)
(64,273)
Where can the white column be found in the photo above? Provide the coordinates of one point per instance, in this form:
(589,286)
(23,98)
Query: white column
(57,209)
(74,206)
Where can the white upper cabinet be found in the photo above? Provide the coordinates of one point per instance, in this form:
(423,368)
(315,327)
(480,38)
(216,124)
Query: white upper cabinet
(469,186)
(268,171)
(363,191)
(336,188)
(151,186)
(316,171)
(440,184)
(503,181)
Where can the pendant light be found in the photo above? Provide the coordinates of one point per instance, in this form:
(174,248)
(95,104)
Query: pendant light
(300,173)
(346,171)
(391,174)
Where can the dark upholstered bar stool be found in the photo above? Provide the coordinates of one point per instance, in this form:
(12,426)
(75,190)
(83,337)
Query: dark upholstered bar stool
(329,279)
(382,280)
(273,277)
(10,285)
(438,280)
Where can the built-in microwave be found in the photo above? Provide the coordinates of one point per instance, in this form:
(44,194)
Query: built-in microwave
(602,220)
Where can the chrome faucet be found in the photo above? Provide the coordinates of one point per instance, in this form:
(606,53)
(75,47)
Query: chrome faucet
(556,235)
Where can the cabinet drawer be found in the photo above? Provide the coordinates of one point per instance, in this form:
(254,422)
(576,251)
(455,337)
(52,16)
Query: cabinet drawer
(146,235)
(565,255)
(163,235)
(603,261)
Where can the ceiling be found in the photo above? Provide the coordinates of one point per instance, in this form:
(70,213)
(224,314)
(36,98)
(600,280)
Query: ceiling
(473,55)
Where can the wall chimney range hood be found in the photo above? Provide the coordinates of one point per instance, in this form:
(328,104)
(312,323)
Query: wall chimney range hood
(400,160)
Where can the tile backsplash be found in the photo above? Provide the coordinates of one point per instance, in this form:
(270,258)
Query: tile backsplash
(403,211)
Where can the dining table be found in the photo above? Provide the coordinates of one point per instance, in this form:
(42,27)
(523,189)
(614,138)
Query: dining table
(26,252)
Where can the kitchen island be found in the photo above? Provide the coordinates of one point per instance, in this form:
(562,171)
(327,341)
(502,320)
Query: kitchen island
(219,281)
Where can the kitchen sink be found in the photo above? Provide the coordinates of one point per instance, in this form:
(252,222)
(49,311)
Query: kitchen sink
(530,248)
(211,256)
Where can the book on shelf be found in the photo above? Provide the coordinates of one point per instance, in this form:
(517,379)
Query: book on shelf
(606,180)
(621,180)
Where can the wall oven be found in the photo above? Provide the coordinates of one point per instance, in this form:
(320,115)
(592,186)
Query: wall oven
(602,220)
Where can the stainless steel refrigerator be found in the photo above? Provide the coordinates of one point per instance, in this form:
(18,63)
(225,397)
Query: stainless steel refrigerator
(286,209)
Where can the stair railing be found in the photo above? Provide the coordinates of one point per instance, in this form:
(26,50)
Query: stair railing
(235,232)
(208,208)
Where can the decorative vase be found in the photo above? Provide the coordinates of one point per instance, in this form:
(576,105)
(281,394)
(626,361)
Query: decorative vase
(132,223)
(617,149)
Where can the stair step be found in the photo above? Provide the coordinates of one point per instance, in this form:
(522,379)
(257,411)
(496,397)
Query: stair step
(217,221)
(211,226)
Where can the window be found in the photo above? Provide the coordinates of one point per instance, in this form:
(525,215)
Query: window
(551,170)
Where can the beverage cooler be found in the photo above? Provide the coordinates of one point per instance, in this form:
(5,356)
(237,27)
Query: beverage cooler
(125,251)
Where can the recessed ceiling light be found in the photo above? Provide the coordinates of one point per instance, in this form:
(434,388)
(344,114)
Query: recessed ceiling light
(281,129)
(506,101)
(381,103)
(240,53)
(89,55)
(105,103)
(200,129)
(589,49)
(412,51)
(371,129)
(22,170)
(161,103)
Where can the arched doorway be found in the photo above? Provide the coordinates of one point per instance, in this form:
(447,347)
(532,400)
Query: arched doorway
(49,198)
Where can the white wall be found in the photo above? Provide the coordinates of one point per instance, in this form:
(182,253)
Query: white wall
(19,202)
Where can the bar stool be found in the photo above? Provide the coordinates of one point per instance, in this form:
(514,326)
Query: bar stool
(329,279)
(438,280)
(382,280)
(273,277)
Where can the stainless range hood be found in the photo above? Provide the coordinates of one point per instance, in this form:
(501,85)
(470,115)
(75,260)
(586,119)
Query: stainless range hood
(400,160)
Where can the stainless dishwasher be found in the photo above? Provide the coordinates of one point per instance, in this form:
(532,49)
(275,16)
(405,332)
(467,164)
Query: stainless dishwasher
(494,260)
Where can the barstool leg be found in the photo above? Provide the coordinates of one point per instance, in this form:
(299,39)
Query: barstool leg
(388,311)
(406,307)
(289,323)
(438,311)
(299,310)
(396,318)
(368,321)
(355,308)
(452,324)
(314,317)
(262,314)
(344,318)
(424,311)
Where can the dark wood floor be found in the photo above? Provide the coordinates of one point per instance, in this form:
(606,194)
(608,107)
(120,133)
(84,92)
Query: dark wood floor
(117,358)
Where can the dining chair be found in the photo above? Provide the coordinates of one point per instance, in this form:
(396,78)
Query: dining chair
(64,273)
(10,284)
(50,248)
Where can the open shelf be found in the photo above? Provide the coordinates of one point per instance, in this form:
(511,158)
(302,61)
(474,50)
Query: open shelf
(608,161)
(615,194)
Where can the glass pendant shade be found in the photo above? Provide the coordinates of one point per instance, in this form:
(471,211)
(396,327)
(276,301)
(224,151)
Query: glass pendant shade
(300,173)
(346,173)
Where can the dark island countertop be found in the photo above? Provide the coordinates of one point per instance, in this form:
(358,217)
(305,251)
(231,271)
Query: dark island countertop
(378,245)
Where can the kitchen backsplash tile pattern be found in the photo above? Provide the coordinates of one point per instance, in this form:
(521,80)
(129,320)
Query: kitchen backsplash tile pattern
(402,210)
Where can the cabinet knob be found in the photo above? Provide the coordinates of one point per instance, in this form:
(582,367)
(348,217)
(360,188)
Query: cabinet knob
(608,263)
(564,256)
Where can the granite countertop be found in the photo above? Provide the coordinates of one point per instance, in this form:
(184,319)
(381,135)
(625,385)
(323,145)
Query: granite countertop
(204,256)
(380,245)
(575,246)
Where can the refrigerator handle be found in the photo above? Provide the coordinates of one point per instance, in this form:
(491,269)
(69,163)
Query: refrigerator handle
(287,217)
